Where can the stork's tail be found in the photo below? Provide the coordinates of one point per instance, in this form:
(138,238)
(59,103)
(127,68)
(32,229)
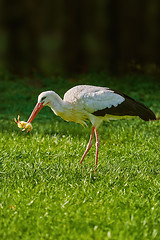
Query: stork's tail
(142,111)
(145,113)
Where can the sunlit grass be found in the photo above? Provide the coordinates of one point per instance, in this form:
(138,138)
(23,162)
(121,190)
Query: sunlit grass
(47,194)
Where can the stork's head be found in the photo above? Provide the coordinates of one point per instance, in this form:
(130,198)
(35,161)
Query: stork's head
(44,99)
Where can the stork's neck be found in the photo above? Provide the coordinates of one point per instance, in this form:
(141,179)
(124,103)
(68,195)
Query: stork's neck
(59,106)
(67,110)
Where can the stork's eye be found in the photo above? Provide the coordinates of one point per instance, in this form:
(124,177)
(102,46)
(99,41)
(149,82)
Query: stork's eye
(43,98)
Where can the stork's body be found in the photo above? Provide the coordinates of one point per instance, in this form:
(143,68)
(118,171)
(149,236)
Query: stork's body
(96,104)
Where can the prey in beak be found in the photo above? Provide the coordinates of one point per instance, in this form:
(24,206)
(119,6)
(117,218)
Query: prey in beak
(23,125)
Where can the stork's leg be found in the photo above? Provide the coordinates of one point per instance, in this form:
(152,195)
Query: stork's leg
(97,147)
(89,144)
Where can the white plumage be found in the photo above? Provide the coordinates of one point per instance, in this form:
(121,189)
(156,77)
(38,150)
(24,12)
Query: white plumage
(86,102)
(93,98)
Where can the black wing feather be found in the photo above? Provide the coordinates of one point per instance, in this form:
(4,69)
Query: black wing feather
(129,107)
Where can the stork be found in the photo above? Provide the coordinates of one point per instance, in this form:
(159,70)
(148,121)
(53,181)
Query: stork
(93,103)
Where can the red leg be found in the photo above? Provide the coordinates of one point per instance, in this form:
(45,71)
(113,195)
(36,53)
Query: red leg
(89,145)
(97,148)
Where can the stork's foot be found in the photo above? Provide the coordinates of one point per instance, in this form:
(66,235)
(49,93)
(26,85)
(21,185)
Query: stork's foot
(92,175)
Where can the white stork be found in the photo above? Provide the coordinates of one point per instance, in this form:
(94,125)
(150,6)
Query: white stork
(86,102)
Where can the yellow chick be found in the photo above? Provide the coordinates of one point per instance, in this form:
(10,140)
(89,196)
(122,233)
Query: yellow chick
(24,125)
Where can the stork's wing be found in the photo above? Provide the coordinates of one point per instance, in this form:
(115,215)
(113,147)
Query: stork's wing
(92,98)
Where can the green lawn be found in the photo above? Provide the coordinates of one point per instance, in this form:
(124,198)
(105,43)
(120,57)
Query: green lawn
(46,194)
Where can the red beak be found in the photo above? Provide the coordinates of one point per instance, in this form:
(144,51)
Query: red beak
(36,110)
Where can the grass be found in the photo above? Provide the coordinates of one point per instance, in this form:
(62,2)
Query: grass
(46,194)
